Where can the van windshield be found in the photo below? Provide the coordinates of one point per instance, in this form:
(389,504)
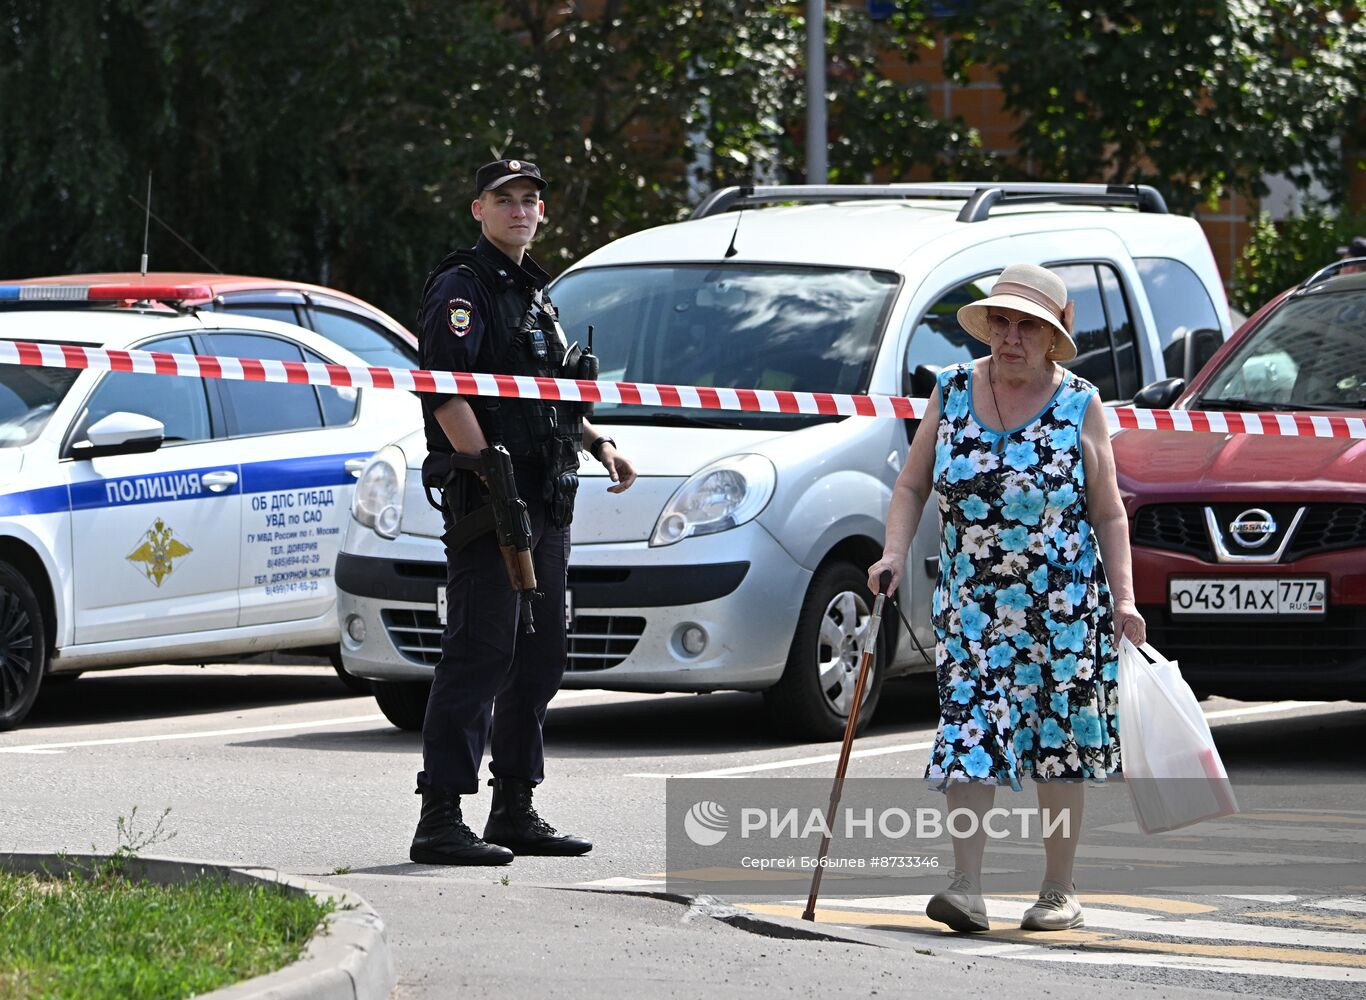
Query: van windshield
(28,397)
(750,326)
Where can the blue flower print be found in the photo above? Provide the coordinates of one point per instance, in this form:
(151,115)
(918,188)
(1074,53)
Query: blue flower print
(962,568)
(952,733)
(1027,704)
(974,508)
(1000,655)
(1057,702)
(963,692)
(957,405)
(1110,671)
(950,537)
(1075,593)
(937,602)
(943,451)
(1015,539)
(954,647)
(977,762)
(1064,670)
(1086,727)
(1051,734)
(1020,455)
(1073,404)
(974,621)
(1024,740)
(1023,504)
(1022,640)
(960,468)
(1063,497)
(1071,636)
(1062,438)
(1038,579)
(1013,597)
(1028,675)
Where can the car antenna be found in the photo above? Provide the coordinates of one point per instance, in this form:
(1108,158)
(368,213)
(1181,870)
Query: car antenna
(730,250)
(146,223)
(147,207)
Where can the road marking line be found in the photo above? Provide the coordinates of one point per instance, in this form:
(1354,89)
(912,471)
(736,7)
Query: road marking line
(205,734)
(1348,904)
(778,765)
(1161,904)
(1338,921)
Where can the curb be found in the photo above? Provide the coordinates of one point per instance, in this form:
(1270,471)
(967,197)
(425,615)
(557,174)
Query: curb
(346,959)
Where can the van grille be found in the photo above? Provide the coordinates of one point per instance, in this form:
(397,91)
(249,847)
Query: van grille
(596,642)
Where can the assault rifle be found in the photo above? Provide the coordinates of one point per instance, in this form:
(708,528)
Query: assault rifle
(505,515)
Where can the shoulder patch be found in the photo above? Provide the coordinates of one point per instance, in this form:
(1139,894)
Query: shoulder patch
(459,316)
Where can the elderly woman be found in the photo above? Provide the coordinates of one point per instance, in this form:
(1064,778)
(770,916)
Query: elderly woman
(1035,582)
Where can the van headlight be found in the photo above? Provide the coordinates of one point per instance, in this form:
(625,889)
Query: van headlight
(724,495)
(378,500)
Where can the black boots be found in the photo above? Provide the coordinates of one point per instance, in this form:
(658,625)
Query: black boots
(513,823)
(442,838)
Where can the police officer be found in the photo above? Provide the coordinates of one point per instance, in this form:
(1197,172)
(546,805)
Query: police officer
(485,310)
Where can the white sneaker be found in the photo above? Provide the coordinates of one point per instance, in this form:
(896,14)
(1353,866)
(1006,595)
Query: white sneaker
(960,905)
(1058,909)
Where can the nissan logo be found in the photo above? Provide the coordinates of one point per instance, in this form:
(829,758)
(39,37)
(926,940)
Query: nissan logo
(1252,528)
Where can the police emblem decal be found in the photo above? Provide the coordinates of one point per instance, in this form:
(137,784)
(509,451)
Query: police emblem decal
(460,314)
(158,552)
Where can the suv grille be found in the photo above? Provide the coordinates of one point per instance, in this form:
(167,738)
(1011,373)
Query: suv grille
(596,642)
(1180,527)
(1337,641)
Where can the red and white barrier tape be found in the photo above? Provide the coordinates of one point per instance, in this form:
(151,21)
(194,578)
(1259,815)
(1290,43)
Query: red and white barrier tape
(629,393)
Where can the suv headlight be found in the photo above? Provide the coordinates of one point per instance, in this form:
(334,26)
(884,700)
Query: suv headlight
(724,495)
(378,500)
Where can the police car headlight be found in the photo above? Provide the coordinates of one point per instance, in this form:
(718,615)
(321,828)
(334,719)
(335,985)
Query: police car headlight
(724,495)
(378,500)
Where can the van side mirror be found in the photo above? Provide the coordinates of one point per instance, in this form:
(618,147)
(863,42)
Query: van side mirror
(1159,395)
(922,381)
(120,433)
(1200,346)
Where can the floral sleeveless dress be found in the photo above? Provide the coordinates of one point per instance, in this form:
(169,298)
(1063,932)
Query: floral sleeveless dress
(1026,662)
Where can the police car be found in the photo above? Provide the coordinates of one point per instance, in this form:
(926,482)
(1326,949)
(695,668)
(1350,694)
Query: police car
(738,560)
(150,518)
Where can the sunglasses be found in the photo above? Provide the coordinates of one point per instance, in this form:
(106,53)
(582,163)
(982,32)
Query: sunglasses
(998,325)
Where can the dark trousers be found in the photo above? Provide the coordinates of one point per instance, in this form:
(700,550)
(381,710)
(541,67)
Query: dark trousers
(493,682)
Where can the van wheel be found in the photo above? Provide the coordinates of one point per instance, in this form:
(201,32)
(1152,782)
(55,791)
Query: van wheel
(404,703)
(354,684)
(23,647)
(816,692)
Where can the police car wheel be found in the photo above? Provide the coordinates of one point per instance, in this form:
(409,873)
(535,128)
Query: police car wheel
(23,647)
(404,703)
(815,694)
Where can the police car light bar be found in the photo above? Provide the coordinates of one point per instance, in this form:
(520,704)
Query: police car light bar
(104,293)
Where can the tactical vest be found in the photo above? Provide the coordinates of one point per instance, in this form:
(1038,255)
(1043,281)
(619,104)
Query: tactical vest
(521,339)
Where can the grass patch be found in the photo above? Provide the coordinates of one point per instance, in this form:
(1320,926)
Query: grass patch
(100,935)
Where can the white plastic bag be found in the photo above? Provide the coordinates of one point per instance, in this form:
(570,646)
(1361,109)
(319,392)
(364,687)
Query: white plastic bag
(1171,766)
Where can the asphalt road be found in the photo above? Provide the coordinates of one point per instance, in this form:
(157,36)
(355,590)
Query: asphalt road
(281,766)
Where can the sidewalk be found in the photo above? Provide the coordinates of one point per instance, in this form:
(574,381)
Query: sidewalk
(465,934)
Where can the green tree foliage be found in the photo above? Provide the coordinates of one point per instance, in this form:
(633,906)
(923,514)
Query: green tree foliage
(1197,98)
(334,141)
(1281,254)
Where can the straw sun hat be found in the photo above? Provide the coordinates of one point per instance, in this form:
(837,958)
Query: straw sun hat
(1030,289)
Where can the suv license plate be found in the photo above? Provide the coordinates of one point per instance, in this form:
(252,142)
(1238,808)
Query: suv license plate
(1213,595)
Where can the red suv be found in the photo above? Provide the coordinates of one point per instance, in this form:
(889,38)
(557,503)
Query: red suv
(1250,550)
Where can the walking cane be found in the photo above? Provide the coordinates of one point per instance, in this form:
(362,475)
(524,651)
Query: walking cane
(865,668)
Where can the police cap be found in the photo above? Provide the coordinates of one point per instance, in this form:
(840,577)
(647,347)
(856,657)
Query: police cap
(499,172)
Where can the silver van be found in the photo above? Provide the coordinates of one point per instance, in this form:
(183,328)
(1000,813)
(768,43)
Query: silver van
(738,560)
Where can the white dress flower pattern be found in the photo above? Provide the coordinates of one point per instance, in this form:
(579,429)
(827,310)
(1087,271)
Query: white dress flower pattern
(1025,654)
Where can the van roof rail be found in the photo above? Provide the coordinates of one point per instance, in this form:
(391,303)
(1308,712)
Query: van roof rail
(979,199)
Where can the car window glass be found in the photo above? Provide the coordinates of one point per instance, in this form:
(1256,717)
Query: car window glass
(283,313)
(179,402)
(1310,351)
(28,396)
(367,340)
(338,402)
(1180,304)
(803,329)
(264,407)
(938,341)
(1121,332)
(1090,329)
